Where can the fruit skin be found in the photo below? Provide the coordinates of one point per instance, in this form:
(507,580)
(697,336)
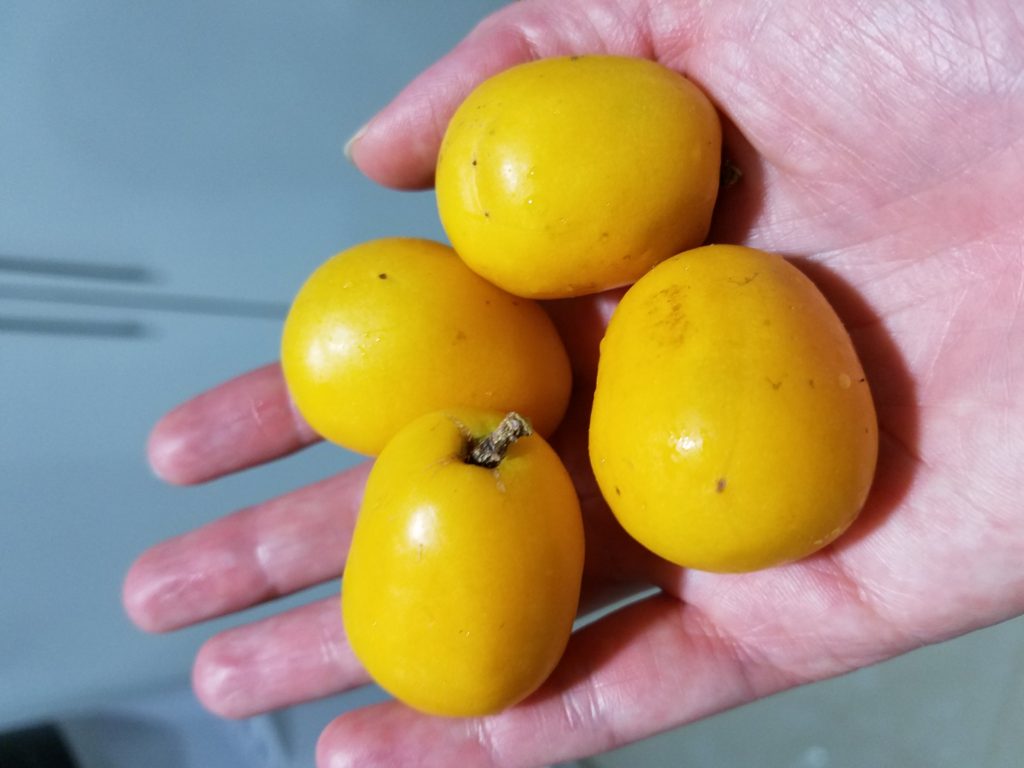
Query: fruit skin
(462,582)
(394,328)
(567,176)
(732,426)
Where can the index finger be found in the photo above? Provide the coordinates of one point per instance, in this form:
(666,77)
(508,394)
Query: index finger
(398,147)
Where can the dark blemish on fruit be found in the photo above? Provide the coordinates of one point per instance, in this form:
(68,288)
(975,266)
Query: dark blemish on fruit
(617,491)
(383,275)
(574,58)
(460,336)
(810,383)
(743,280)
(668,315)
(775,384)
(473,162)
(487,214)
(604,235)
(861,381)
(766,323)
(720,485)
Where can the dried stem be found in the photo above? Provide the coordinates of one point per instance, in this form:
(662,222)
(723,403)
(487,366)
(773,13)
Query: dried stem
(489,451)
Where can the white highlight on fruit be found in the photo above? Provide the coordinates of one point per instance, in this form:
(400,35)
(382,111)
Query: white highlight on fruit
(685,444)
(421,531)
(336,345)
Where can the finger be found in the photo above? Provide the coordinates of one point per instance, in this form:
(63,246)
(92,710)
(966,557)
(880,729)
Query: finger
(302,539)
(647,668)
(293,657)
(398,147)
(243,422)
(296,656)
(272,549)
(581,323)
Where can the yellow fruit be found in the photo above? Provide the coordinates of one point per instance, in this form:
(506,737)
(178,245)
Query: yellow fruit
(394,328)
(462,582)
(571,175)
(732,426)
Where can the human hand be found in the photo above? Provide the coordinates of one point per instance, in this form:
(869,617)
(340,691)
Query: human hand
(879,148)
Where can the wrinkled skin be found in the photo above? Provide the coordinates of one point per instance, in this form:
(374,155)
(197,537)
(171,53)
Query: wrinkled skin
(880,146)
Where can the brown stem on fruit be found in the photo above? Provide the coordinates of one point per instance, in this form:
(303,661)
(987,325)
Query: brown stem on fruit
(489,451)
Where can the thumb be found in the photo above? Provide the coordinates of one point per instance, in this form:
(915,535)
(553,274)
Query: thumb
(398,147)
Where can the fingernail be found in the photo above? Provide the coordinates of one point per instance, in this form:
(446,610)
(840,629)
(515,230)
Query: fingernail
(352,141)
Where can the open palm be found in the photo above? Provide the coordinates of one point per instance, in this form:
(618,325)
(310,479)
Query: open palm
(879,150)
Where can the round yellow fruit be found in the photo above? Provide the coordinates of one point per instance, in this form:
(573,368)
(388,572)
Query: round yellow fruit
(394,328)
(732,426)
(462,582)
(571,175)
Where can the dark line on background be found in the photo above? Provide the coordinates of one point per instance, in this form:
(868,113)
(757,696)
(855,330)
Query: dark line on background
(57,327)
(119,273)
(159,302)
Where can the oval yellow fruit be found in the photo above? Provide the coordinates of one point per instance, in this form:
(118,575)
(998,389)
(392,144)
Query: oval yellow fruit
(732,426)
(394,328)
(567,176)
(462,582)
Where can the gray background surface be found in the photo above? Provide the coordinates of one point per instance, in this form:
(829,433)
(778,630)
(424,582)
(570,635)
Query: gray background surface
(169,174)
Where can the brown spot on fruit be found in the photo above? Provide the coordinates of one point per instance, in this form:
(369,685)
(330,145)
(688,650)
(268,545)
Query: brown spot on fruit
(741,281)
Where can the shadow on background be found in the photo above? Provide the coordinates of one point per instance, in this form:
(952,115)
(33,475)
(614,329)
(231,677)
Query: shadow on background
(107,741)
